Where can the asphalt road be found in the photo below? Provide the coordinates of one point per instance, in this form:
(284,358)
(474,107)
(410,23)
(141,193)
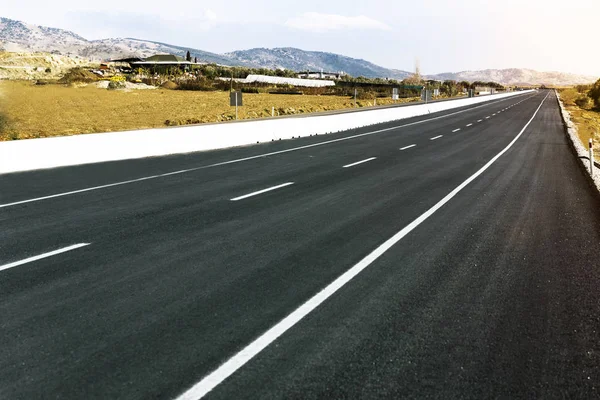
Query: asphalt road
(493,295)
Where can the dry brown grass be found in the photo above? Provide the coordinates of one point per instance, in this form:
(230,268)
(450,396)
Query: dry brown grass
(53,110)
(588,125)
(586,119)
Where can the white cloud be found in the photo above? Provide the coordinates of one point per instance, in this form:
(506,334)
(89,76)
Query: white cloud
(317,22)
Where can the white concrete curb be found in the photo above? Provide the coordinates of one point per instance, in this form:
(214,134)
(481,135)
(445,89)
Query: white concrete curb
(582,151)
(31,154)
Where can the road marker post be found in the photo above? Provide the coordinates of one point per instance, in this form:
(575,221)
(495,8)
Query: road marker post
(236,100)
(272,111)
(591,158)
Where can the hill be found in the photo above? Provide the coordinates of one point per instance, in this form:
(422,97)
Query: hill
(300,60)
(517,76)
(17,36)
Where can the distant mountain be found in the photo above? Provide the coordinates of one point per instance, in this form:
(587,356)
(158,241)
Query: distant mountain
(301,60)
(17,36)
(517,76)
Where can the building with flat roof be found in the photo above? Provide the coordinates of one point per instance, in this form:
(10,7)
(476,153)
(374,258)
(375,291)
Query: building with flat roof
(162,61)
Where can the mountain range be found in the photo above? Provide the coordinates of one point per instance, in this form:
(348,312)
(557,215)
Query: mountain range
(17,36)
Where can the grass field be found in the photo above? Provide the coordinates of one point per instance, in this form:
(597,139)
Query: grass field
(55,110)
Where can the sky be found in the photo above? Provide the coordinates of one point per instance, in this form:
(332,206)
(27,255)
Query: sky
(444,36)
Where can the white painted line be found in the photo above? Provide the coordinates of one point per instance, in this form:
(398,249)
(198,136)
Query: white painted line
(242,159)
(359,162)
(262,191)
(469,125)
(487,117)
(45,255)
(407,147)
(479,120)
(436,137)
(456,130)
(210,381)
(493,114)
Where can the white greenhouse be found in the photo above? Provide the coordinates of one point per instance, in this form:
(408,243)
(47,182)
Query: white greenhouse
(277,80)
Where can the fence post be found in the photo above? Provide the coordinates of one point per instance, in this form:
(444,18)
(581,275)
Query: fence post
(591,158)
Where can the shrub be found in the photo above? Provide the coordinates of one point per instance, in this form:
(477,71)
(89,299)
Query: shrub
(116,82)
(250,90)
(286,91)
(568,96)
(594,94)
(201,85)
(582,101)
(48,70)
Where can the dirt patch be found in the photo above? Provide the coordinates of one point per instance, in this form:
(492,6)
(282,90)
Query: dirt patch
(78,75)
(33,66)
(127,86)
(169,85)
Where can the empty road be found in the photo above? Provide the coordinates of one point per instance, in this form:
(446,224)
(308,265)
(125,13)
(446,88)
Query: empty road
(454,255)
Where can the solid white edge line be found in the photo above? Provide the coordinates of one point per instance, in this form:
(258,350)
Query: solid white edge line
(359,162)
(469,125)
(45,255)
(407,147)
(436,137)
(246,158)
(213,379)
(262,191)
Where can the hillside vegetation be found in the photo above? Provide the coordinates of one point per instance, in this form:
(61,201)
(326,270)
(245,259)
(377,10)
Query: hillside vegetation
(583,103)
(38,65)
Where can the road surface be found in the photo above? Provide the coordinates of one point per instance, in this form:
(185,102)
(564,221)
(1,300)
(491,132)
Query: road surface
(453,255)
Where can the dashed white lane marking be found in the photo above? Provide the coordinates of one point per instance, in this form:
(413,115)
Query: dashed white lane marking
(456,130)
(359,162)
(183,171)
(407,147)
(262,191)
(469,124)
(212,380)
(487,117)
(436,137)
(45,255)
(479,120)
